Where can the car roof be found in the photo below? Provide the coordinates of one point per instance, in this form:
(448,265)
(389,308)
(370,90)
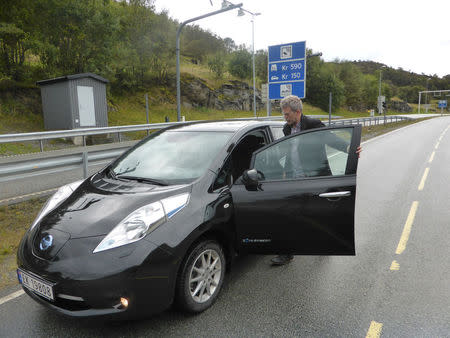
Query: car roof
(225,126)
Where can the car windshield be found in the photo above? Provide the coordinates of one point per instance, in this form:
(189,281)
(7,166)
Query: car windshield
(172,157)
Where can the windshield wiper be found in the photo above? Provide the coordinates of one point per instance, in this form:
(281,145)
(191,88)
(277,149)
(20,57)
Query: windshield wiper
(142,179)
(112,173)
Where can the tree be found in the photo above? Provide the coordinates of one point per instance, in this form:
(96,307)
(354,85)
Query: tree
(261,65)
(13,45)
(15,40)
(352,78)
(74,36)
(216,64)
(229,44)
(240,64)
(320,81)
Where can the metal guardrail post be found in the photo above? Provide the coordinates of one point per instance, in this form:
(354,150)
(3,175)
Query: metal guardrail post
(41,145)
(84,141)
(85,164)
(119,137)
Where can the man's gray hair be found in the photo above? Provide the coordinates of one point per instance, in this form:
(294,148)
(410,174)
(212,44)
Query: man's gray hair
(292,102)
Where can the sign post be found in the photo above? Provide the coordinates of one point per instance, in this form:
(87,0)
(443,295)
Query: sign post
(442,104)
(287,70)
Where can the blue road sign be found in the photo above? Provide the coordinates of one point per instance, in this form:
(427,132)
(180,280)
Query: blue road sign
(442,104)
(287,72)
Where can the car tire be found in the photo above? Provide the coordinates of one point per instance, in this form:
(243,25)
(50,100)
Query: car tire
(201,276)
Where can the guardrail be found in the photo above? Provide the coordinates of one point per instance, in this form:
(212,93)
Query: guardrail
(83,132)
(370,120)
(20,167)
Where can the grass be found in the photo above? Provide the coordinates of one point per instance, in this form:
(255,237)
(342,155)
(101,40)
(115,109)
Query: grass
(202,71)
(14,221)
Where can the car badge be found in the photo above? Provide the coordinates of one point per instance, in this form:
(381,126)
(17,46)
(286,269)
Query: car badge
(46,242)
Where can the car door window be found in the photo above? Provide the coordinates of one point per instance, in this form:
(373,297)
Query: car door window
(277,132)
(311,154)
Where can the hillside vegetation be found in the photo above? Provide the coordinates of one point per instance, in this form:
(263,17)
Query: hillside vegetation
(133,46)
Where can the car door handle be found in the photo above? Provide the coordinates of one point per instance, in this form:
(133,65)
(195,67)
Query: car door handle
(335,194)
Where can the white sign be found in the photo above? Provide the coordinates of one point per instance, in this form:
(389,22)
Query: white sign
(286,52)
(264,87)
(285,89)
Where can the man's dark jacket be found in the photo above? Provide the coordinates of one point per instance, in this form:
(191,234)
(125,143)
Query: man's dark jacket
(313,156)
(305,124)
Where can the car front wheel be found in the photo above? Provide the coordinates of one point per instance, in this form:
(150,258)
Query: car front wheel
(201,277)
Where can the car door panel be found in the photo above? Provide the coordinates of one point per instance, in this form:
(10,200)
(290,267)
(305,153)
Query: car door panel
(297,215)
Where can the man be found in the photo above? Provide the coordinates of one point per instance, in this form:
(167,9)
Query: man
(295,122)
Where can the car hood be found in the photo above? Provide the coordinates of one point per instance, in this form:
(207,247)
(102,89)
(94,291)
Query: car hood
(94,211)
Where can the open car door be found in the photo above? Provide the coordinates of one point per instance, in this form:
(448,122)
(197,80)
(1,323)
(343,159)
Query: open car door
(298,197)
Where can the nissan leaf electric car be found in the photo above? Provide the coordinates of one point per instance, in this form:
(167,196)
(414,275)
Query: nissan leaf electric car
(161,223)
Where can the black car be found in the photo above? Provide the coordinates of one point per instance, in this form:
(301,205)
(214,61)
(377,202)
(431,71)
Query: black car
(163,221)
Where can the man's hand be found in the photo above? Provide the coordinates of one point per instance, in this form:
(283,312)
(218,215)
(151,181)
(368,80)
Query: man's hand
(358,151)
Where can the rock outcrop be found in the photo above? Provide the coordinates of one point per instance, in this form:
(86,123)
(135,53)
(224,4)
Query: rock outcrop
(400,106)
(235,95)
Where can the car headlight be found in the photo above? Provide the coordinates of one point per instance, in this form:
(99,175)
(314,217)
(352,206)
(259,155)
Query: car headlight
(59,196)
(143,221)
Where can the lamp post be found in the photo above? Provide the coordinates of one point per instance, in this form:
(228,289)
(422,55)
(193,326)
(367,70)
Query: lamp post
(379,91)
(241,13)
(426,97)
(226,6)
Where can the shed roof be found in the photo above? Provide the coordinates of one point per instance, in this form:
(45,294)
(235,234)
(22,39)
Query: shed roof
(72,77)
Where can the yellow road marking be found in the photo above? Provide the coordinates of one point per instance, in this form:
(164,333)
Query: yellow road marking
(374,330)
(431,157)
(407,229)
(424,178)
(395,266)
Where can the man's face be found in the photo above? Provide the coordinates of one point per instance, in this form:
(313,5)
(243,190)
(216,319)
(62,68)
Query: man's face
(291,117)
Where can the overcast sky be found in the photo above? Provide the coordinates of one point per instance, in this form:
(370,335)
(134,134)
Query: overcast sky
(411,34)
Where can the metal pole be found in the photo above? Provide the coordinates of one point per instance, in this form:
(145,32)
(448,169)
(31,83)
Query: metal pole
(380,108)
(329,108)
(178,49)
(379,85)
(254,80)
(146,109)
(85,164)
(146,106)
(420,94)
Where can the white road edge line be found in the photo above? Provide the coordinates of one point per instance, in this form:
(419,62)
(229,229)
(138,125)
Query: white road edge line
(11,296)
(28,195)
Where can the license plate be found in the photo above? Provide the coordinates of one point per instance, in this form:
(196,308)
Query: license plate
(40,287)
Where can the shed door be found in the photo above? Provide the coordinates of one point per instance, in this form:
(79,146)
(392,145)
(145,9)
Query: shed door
(86,106)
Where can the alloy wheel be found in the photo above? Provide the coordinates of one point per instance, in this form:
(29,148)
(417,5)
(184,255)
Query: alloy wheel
(205,275)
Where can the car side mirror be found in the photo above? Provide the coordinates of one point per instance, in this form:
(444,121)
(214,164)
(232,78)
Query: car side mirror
(250,178)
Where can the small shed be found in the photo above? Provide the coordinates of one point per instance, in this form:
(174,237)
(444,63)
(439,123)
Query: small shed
(74,101)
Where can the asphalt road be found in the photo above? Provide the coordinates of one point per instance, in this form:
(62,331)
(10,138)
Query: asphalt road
(397,285)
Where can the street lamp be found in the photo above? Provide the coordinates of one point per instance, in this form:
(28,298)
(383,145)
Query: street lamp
(226,6)
(241,12)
